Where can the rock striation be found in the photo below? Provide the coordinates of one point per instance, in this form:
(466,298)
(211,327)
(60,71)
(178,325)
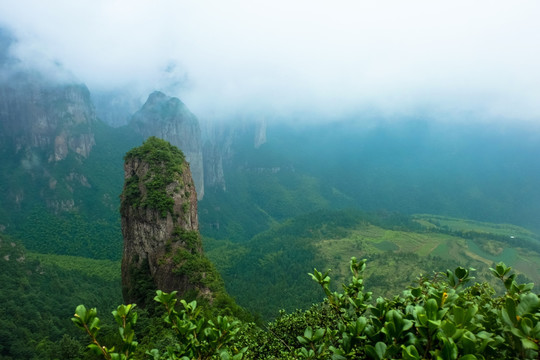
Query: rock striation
(38,118)
(162,245)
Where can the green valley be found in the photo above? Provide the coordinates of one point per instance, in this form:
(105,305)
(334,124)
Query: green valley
(398,249)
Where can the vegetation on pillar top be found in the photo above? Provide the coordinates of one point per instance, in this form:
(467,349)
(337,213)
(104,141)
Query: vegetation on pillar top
(166,165)
(156,151)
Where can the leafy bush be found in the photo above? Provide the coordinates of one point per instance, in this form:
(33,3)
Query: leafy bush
(197,337)
(440,318)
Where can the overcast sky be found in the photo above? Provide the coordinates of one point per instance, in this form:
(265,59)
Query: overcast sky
(328,57)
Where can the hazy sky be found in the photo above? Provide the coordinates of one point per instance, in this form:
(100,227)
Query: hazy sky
(448,58)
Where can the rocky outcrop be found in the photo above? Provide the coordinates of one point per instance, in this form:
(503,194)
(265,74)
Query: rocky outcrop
(46,131)
(260,133)
(214,176)
(162,246)
(169,119)
(41,114)
(47,119)
(222,141)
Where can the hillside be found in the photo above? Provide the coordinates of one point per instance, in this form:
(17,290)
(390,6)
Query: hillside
(39,293)
(398,249)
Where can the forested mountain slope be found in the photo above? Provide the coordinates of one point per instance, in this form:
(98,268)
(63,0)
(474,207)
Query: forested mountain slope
(268,273)
(39,293)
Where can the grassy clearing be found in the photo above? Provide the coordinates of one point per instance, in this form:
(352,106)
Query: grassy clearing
(398,254)
(490,250)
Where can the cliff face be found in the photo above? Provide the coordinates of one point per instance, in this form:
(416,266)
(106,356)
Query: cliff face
(169,119)
(55,187)
(39,115)
(49,119)
(222,142)
(42,125)
(162,246)
(260,133)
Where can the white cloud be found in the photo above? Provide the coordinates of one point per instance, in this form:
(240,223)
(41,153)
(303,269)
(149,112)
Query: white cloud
(393,56)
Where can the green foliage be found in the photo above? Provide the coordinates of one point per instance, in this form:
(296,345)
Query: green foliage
(125,317)
(184,249)
(38,293)
(197,268)
(166,164)
(443,318)
(191,239)
(439,319)
(398,247)
(143,287)
(107,270)
(70,233)
(197,337)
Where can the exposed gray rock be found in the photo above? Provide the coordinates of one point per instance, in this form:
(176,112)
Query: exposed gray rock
(260,133)
(47,119)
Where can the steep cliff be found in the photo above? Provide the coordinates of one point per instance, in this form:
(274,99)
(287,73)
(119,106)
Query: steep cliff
(170,119)
(45,135)
(223,141)
(52,120)
(57,194)
(162,245)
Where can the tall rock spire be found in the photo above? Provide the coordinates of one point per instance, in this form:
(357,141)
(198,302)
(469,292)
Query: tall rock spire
(162,245)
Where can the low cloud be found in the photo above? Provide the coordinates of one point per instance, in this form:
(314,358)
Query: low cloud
(395,58)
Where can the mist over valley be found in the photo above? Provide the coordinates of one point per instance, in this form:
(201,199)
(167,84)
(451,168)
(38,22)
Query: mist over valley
(304,145)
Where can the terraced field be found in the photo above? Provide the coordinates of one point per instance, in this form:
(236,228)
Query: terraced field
(399,256)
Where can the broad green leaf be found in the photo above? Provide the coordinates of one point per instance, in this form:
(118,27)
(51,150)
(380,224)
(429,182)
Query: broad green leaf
(80,312)
(431,309)
(376,352)
(528,304)
(529,344)
(468,342)
(380,348)
(409,352)
(461,272)
(308,333)
(509,312)
(416,292)
(319,333)
(448,328)
(449,350)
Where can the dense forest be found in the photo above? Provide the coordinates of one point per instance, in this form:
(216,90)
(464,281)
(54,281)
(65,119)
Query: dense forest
(39,293)
(283,296)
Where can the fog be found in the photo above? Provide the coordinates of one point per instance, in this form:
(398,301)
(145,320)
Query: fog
(448,60)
